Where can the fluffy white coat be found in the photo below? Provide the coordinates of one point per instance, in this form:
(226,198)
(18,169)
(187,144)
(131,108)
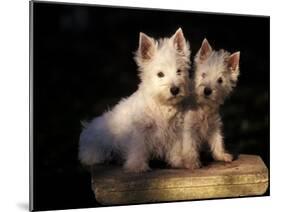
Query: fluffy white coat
(148,124)
(216,74)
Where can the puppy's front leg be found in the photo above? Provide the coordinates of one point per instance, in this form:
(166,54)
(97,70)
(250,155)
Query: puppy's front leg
(190,151)
(217,147)
(137,156)
(175,155)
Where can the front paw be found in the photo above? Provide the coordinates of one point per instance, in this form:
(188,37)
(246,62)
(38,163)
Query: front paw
(227,157)
(193,165)
(136,168)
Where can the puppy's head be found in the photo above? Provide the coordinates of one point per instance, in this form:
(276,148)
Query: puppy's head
(216,74)
(163,67)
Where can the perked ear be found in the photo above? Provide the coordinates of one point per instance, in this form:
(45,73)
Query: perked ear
(146,47)
(179,41)
(205,50)
(233,61)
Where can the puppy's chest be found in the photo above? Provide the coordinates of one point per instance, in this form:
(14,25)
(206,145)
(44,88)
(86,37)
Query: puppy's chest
(203,124)
(165,128)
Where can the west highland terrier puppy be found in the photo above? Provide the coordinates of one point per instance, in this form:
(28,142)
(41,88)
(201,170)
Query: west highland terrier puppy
(216,74)
(148,124)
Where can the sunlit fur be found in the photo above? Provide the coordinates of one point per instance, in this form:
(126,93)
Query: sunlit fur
(219,71)
(148,124)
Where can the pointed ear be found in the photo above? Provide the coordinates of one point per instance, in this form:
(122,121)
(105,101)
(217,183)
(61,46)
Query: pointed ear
(233,61)
(179,41)
(233,66)
(205,50)
(146,47)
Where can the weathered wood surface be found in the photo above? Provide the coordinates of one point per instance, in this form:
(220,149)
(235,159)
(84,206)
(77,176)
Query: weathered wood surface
(246,176)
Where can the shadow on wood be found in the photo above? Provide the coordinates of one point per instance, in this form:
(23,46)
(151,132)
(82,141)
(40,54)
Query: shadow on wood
(246,176)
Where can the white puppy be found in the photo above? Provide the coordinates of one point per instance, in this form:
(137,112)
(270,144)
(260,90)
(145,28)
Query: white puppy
(148,124)
(216,74)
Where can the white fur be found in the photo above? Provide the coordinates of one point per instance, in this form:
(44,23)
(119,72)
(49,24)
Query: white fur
(202,122)
(148,124)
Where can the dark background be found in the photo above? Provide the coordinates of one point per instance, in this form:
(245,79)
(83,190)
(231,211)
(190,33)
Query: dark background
(83,64)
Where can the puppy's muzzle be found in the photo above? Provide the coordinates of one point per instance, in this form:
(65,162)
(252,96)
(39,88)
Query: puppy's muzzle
(207,91)
(174,90)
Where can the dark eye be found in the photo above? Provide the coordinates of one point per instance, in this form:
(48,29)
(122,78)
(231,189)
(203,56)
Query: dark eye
(178,72)
(220,80)
(203,75)
(160,74)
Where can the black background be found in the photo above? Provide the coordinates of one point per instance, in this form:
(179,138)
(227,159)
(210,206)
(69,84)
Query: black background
(83,64)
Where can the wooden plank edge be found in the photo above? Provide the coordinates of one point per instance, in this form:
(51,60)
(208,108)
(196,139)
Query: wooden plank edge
(176,194)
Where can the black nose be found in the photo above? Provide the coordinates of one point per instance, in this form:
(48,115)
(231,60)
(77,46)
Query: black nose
(207,91)
(174,90)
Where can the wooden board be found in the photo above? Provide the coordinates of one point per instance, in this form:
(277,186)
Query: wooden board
(246,176)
